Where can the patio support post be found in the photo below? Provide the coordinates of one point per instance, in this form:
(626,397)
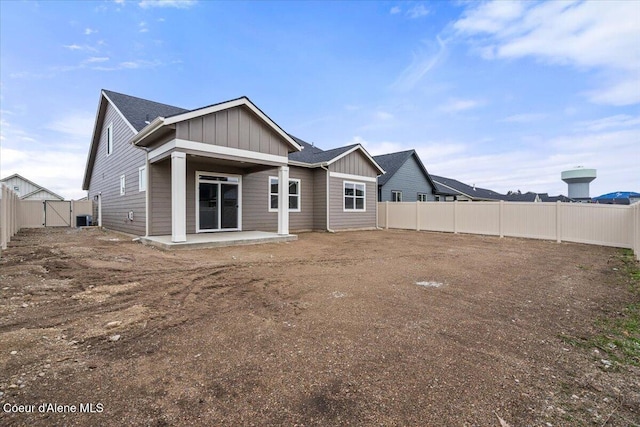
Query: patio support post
(283,200)
(178,197)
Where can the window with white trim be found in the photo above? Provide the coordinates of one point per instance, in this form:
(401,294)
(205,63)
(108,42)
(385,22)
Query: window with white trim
(396,196)
(122,185)
(354,196)
(422,197)
(294,194)
(142,178)
(109,139)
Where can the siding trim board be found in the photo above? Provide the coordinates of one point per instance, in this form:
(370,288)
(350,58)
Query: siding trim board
(216,151)
(353,177)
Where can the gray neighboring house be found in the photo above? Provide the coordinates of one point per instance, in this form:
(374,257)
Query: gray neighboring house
(29,190)
(156,170)
(405,179)
(448,190)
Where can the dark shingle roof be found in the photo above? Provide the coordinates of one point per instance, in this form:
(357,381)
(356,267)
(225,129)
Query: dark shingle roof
(520,197)
(391,163)
(312,154)
(308,152)
(445,186)
(139,111)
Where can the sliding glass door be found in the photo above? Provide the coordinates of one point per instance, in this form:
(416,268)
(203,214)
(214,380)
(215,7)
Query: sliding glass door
(218,204)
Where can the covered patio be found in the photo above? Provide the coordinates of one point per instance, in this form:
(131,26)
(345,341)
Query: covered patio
(215,240)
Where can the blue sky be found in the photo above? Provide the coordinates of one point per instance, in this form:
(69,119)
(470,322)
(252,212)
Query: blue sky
(504,95)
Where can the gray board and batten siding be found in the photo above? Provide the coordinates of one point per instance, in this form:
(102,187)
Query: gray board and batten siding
(236,127)
(125,159)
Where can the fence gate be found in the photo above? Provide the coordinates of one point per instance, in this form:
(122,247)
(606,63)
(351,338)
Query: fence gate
(57,214)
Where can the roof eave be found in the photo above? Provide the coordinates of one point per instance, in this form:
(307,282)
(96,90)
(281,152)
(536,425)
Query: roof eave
(148,131)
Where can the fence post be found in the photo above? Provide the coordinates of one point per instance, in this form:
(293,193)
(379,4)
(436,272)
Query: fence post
(3,217)
(558,223)
(417,215)
(455,214)
(386,215)
(501,219)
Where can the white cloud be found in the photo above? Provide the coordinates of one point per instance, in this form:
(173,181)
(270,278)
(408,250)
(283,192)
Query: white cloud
(422,63)
(458,105)
(131,65)
(60,171)
(538,169)
(178,4)
(383,115)
(142,27)
(80,47)
(524,118)
(89,31)
(395,10)
(95,59)
(615,122)
(417,11)
(77,125)
(587,35)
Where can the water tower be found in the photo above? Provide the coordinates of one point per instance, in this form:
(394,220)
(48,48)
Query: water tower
(578,180)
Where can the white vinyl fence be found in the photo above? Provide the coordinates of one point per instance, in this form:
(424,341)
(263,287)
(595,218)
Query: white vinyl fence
(606,225)
(9,222)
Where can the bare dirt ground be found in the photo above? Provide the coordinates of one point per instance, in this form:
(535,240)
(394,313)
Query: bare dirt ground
(329,330)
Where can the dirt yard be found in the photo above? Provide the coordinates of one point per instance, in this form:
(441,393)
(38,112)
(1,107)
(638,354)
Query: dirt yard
(329,330)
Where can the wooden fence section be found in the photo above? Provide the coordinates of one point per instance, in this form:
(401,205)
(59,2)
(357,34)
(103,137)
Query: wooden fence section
(606,225)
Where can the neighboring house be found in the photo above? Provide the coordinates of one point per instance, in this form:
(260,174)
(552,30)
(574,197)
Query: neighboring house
(618,198)
(29,190)
(545,197)
(448,189)
(405,178)
(513,196)
(157,170)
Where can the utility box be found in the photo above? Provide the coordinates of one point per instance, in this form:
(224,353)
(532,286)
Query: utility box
(83,220)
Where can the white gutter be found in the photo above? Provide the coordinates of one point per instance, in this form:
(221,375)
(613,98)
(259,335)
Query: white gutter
(156,124)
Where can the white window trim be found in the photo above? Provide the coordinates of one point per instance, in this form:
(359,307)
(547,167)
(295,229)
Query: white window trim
(423,195)
(269,193)
(123,184)
(142,179)
(364,205)
(398,196)
(110,139)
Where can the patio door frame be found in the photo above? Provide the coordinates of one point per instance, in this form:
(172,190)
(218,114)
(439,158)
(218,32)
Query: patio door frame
(199,174)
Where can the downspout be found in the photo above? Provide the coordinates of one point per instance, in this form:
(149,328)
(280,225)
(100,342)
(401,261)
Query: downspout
(146,190)
(328,198)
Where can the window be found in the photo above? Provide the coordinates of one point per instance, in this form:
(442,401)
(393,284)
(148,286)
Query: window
(142,178)
(396,196)
(294,195)
(122,185)
(422,197)
(354,196)
(109,139)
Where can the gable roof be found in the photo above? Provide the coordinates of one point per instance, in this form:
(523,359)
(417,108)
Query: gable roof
(392,162)
(451,186)
(38,189)
(140,112)
(314,156)
(162,121)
